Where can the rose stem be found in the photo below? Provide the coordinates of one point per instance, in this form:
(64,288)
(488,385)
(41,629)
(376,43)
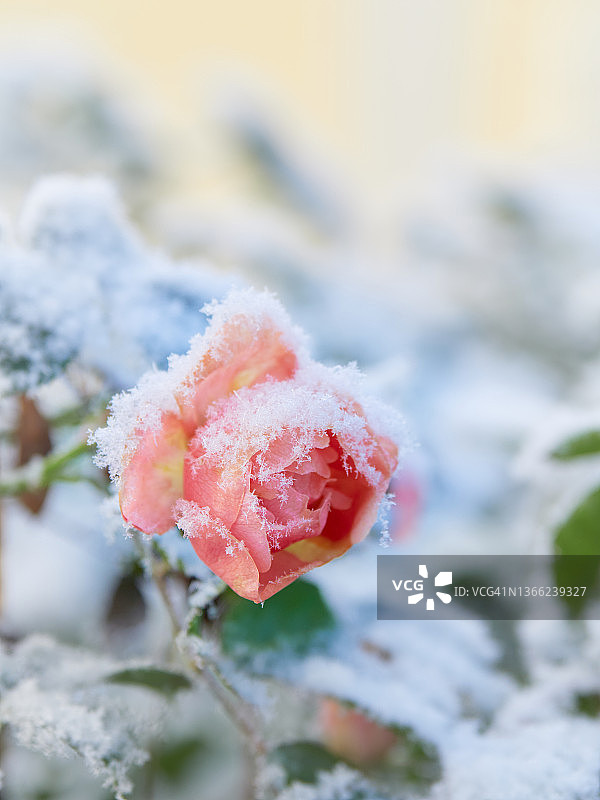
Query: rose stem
(234,705)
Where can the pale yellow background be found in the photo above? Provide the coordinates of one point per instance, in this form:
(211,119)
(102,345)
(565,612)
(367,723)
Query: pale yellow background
(388,90)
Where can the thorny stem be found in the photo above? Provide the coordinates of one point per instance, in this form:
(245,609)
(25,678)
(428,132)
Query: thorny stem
(159,579)
(236,708)
(233,705)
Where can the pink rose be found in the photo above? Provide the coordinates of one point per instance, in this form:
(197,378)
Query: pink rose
(352,735)
(261,456)
(408,492)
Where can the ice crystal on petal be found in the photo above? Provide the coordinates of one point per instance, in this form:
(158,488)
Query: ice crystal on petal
(319,398)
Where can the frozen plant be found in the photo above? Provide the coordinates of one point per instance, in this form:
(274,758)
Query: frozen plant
(270,463)
(79,284)
(61,702)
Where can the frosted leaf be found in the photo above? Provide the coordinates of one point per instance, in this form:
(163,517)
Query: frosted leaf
(78,223)
(36,338)
(557,427)
(50,722)
(540,742)
(420,683)
(54,700)
(557,759)
(341,783)
(163,310)
(545,643)
(557,486)
(422,676)
(84,285)
(562,661)
(204,592)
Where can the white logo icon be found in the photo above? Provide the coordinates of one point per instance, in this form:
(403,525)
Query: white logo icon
(441,579)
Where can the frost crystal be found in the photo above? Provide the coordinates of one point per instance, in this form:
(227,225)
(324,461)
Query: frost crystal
(54,700)
(256,415)
(342,783)
(82,284)
(556,759)
(36,338)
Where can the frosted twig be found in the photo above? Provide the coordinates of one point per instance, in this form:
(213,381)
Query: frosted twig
(235,707)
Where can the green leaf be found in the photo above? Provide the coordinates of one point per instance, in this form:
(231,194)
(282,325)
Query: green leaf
(416,762)
(291,619)
(583,444)
(194,627)
(175,760)
(55,465)
(158,680)
(579,535)
(302,761)
(588,704)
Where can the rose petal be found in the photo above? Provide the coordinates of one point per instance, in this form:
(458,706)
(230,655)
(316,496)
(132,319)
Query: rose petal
(251,529)
(317,462)
(286,508)
(304,526)
(352,522)
(311,485)
(219,550)
(208,484)
(339,500)
(247,357)
(285,569)
(152,481)
(279,455)
(296,560)
(354,736)
(386,458)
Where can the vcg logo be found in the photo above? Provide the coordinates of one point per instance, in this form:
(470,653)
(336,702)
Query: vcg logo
(415,588)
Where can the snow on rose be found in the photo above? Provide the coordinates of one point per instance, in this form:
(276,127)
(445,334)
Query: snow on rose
(270,463)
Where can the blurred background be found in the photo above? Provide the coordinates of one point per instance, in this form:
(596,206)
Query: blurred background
(389,95)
